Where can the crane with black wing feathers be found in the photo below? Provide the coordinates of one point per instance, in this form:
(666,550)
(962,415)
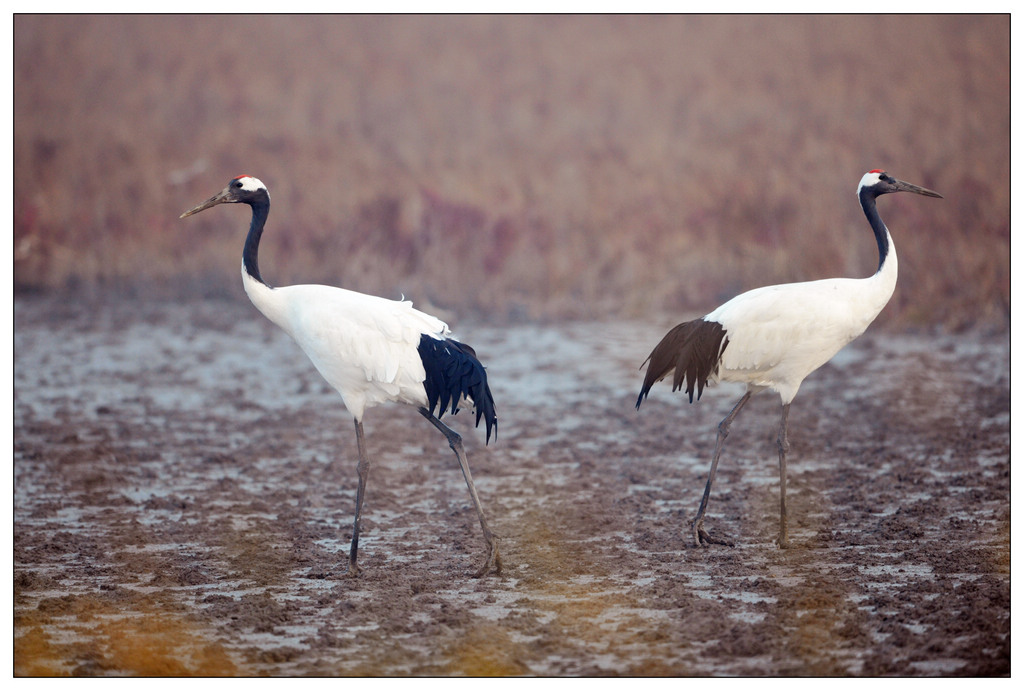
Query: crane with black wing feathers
(372,351)
(773,337)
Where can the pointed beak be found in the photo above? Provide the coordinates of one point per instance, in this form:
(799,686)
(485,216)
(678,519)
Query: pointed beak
(216,199)
(907,187)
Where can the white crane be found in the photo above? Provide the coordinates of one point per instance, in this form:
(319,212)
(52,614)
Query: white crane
(773,337)
(371,350)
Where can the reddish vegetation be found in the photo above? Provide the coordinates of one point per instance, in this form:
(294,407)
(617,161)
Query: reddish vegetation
(517,166)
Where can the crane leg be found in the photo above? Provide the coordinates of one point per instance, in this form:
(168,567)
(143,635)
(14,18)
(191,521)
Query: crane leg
(455,442)
(700,536)
(363,469)
(783,442)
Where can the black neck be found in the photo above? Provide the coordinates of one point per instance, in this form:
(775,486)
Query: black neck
(250,259)
(867,202)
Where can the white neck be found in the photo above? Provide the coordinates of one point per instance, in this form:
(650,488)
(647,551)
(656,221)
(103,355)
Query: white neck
(878,289)
(266,299)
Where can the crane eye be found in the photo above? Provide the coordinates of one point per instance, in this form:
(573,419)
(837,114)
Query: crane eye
(238,183)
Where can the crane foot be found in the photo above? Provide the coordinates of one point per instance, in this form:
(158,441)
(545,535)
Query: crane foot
(702,538)
(493,562)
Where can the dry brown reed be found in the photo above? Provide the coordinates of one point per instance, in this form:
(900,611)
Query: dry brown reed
(517,167)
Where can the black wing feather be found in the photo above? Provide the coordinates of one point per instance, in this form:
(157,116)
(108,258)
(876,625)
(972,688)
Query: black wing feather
(453,371)
(693,350)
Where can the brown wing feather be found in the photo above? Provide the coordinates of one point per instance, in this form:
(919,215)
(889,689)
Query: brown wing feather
(693,350)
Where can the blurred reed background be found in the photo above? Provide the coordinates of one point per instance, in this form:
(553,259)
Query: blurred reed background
(516,167)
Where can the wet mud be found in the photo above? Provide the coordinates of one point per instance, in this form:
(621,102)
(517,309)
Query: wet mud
(184,484)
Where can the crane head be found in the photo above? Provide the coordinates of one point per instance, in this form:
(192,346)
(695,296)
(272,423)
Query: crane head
(245,189)
(878,182)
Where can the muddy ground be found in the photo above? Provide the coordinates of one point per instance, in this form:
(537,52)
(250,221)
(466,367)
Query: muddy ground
(184,486)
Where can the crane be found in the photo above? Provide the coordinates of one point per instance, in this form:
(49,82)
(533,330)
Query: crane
(371,350)
(773,337)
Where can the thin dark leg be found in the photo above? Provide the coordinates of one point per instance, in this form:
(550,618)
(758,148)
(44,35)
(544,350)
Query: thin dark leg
(455,442)
(783,442)
(363,469)
(700,536)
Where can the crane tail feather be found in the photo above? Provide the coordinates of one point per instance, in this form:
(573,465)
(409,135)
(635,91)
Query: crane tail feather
(453,372)
(692,352)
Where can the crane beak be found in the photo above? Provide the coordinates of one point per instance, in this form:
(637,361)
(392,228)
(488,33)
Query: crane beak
(212,201)
(907,187)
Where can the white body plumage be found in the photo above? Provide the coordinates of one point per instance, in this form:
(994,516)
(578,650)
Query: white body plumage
(363,345)
(779,334)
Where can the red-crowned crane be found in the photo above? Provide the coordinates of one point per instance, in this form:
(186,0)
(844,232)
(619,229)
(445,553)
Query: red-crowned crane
(773,337)
(371,350)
